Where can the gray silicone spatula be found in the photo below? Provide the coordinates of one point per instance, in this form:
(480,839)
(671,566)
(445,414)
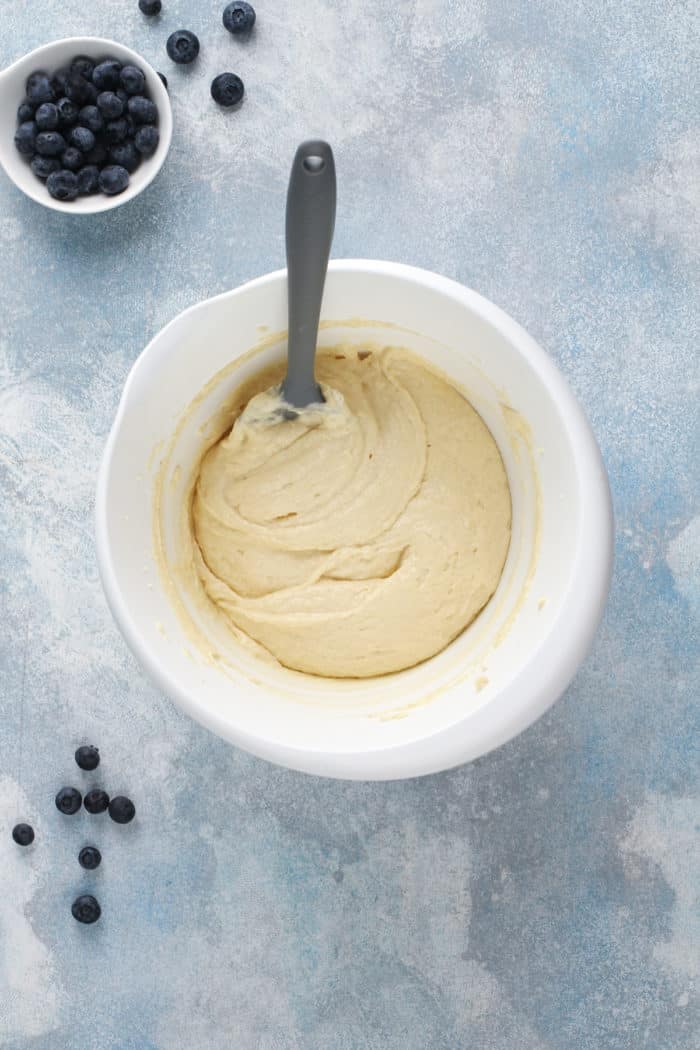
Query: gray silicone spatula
(310,222)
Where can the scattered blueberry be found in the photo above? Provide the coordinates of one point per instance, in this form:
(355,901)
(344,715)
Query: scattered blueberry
(80,90)
(68,800)
(143,110)
(105,76)
(133,80)
(50,143)
(46,117)
(82,65)
(67,112)
(82,138)
(86,909)
(58,82)
(25,138)
(121,809)
(90,117)
(26,112)
(110,105)
(71,159)
(45,166)
(164,80)
(126,156)
(87,757)
(89,182)
(89,858)
(182,47)
(113,180)
(146,140)
(96,800)
(150,7)
(239,17)
(227,89)
(23,834)
(39,88)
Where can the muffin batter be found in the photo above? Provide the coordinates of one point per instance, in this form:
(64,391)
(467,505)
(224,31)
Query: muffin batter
(363,536)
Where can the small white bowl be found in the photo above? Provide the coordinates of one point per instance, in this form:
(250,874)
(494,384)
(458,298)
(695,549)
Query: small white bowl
(505,670)
(51,57)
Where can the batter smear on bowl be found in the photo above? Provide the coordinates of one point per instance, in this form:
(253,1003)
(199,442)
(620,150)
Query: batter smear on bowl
(362,536)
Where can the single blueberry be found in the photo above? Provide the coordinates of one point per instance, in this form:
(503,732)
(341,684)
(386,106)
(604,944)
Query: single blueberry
(150,7)
(25,112)
(90,117)
(96,800)
(121,809)
(115,131)
(45,166)
(164,80)
(110,105)
(143,110)
(82,138)
(126,155)
(105,76)
(89,182)
(182,46)
(227,89)
(146,140)
(68,800)
(89,858)
(80,90)
(86,909)
(58,82)
(133,80)
(72,159)
(97,155)
(25,138)
(39,88)
(50,143)
(239,17)
(46,117)
(23,834)
(83,65)
(67,112)
(87,757)
(113,180)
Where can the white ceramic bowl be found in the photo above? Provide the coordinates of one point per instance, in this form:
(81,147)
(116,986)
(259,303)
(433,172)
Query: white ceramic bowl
(506,669)
(52,57)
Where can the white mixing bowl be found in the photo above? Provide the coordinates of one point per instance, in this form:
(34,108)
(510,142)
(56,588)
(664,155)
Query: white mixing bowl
(505,670)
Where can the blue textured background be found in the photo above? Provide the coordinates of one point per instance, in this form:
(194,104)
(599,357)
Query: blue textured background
(543,898)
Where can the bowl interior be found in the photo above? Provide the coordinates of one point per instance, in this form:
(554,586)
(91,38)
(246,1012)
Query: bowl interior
(51,57)
(314,723)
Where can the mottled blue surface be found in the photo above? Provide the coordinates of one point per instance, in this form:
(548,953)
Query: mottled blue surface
(543,898)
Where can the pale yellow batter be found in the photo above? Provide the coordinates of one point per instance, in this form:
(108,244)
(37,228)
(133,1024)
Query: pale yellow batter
(362,537)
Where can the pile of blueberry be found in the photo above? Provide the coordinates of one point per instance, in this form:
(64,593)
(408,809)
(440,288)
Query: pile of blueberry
(86,128)
(69,800)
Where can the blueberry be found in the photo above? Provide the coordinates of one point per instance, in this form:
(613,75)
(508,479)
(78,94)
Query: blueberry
(80,90)
(227,89)
(110,105)
(90,117)
(89,182)
(182,47)
(133,80)
(45,166)
(105,76)
(72,159)
(96,800)
(115,131)
(39,88)
(89,858)
(146,140)
(82,138)
(86,909)
(25,138)
(50,143)
(126,155)
(97,155)
(25,112)
(143,110)
(67,112)
(114,179)
(130,126)
(150,7)
(46,117)
(58,82)
(239,17)
(87,757)
(23,834)
(121,809)
(68,800)
(82,65)
(122,96)
(164,80)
